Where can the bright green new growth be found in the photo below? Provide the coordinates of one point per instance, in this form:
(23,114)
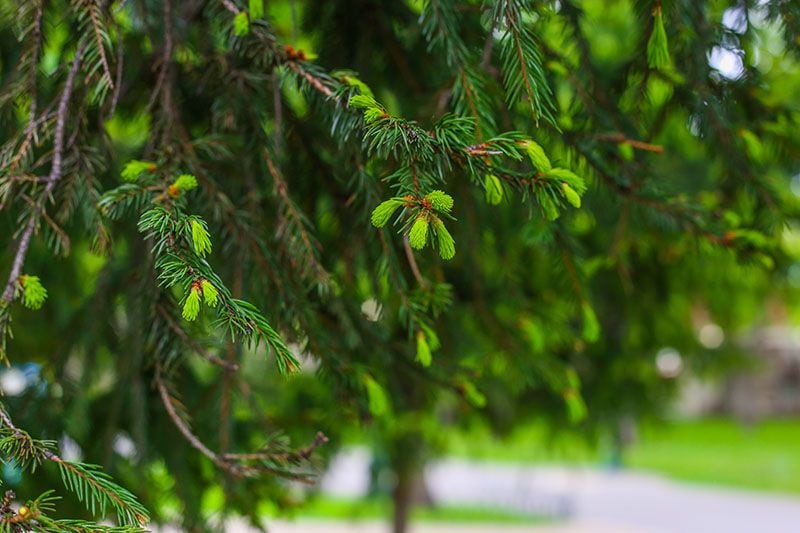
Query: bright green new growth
(418,235)
(135,168)
(382,213)
(363,101)
(185,182)
(191,307)
(576,406)
(447,246)
(472,394)
(33,292)
(372,109)
(376,396)
(567,176)
(423,350)
(210,293)
(657,48)
(537,156)
(256,9)
(440,201)
(200,238)
(591,327)
(241,24)
(572,197)
(494,189)
(353,81)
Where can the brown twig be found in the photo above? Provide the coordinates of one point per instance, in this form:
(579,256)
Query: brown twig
(315,82)
(619,138)
(303,453)
(225,462)
(230,6)
(412,261)
(37,46)
(184,429)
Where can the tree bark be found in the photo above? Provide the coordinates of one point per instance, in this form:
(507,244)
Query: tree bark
(401,497)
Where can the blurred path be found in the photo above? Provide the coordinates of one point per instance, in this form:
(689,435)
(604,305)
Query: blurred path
(588,500)
(312,526)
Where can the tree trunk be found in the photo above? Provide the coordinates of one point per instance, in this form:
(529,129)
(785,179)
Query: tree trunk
(401,497)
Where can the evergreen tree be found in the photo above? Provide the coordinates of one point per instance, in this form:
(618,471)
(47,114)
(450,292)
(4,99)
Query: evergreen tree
(232,226)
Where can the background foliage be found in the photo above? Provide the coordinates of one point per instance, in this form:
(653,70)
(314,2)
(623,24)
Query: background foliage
(194,185)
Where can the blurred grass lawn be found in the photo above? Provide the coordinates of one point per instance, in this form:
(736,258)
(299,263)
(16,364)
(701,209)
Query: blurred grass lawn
(380,508)
(765,456)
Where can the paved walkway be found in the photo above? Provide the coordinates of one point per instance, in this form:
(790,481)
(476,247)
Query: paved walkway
(580,500)
(587,500)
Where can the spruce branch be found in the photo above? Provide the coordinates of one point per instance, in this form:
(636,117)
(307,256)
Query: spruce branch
(101,37)
(91,485)
(299,224)
(523,71)
(51,181)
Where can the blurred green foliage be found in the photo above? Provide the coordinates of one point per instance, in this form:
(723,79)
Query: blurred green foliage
(547,311)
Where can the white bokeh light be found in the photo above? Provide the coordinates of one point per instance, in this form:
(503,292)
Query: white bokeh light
(711,336)
(735,19)
(13,382)
(124,446)
(371,309)
(727,62)
(669,363)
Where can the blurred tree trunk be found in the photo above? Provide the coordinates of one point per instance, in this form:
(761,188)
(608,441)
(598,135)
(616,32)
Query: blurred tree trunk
(402,500)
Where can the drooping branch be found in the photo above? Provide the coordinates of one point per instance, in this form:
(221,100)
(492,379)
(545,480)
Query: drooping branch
(232,463)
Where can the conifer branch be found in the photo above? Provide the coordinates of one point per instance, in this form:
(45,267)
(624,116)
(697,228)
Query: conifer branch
(92,486)
(100,37)
(32,85)
(168,403)
(310,245)
(50,182)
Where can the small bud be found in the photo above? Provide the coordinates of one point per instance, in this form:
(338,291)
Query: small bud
(372,109)
(23,511)
(423,350)
(384,211)
(447,246)
(571,196)
(200,238)
(135,168)
(472,394)
(210,293)
(191,307)
(657,48)
(241,24)
(33,292)
(418,236)
(440,201)
(494,189)
(591,327)
(184,183)
(536,155)
(566,176)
